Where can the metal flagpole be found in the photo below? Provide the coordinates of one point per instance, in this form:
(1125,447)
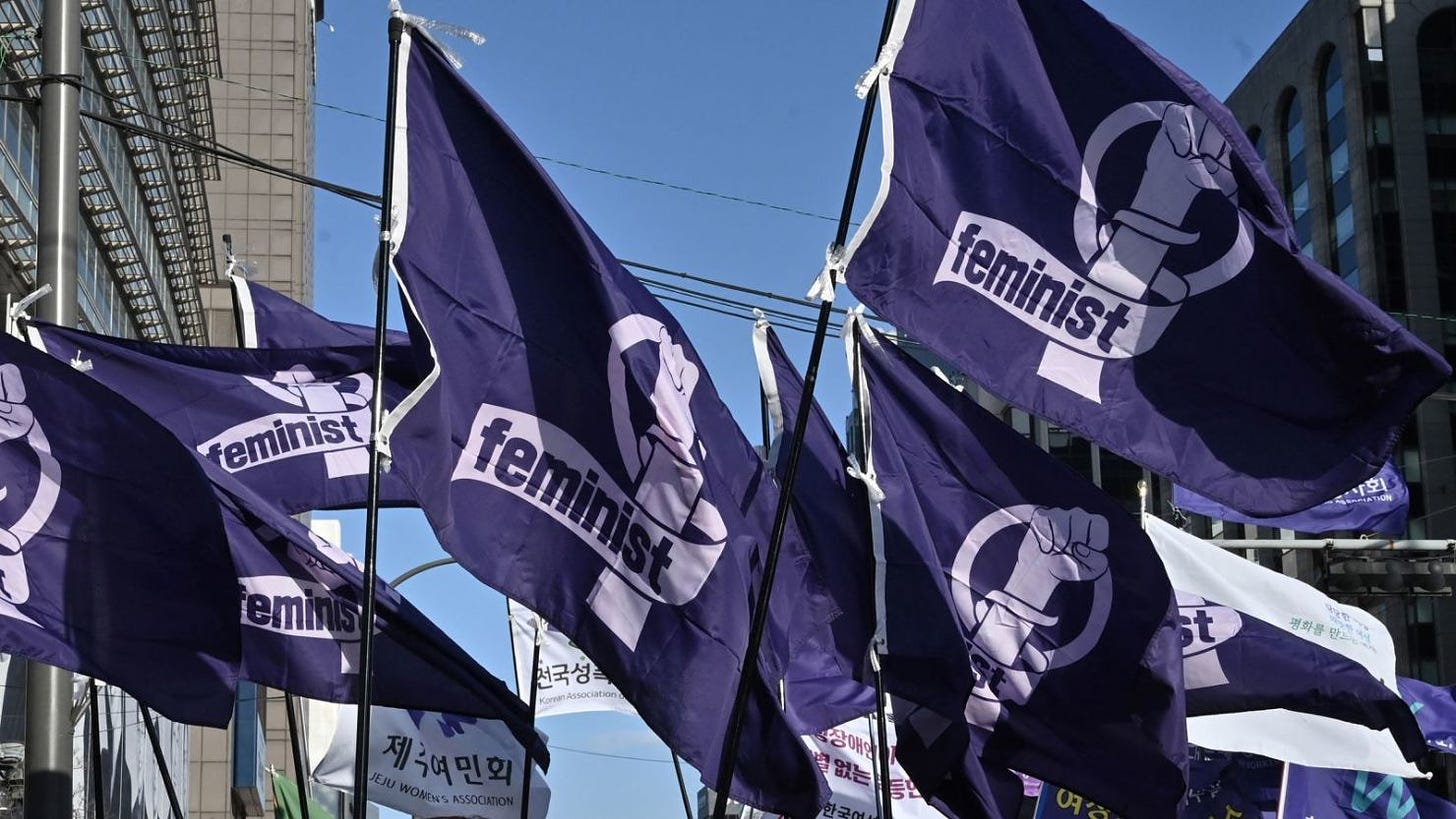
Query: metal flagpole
(749,674)
(535,684)
(49,734)
(98,789)
(682,785)
(299,778)
(877,646)
(161,763)
(376,421)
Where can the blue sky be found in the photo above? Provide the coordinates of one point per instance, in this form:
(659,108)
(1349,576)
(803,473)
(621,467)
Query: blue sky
(751,100)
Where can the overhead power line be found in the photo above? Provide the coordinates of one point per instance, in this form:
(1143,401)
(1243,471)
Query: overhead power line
(566,163)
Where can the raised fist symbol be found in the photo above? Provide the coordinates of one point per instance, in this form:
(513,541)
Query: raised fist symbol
(1187,157)
(16,419)
(672,396)
(1060,546)
(1069,544)
(1187,147)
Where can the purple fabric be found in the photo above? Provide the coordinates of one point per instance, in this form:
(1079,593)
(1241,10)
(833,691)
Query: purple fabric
(1083,230)
(1334,794)
(833,516)
(113,557)
(1027,612)
(573,452)
(291,424)
(1380,504)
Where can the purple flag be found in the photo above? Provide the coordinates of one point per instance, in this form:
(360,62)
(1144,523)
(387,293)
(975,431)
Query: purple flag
(113,557)
(301,605)
(267,318)
(1380,504)
(832,512)
(1235,662)
(1435,710)
(291,424)
(571,451)
(1333,794)
(1025,610)
(1085,231)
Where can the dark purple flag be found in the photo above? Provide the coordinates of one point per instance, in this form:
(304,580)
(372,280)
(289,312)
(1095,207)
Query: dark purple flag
(1435,710)
(267,318)
(1235,662)
(1380,504)
(113,557)
(301,609)
(291,424)
(1085,231)
(571,451)
(1331,794)
(1026,611)
(832,512)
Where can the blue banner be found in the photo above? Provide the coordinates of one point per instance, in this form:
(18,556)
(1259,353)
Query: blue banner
(570,449)
(1380,504)
(291,424)
(1085,231)
(1327,793)
(1015,592)
(1435,709)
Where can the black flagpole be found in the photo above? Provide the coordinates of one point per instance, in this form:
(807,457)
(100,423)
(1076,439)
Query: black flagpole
(682,785)
(376,421)
(98,788)
(161,763)
(749,674)
(882,744)
(535,684)
(300,779)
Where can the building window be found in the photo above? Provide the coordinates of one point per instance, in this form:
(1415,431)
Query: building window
(1296,176)
(1436,47)
(1256,139)
(1337,178)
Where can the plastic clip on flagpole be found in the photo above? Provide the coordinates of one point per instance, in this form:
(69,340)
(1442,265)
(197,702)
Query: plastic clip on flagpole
(881,68)
(828,278)
(748,675)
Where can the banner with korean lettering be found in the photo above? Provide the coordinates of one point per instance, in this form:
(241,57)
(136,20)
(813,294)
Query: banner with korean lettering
(431,764)
(568,682)
(1380,504)
(1243,600)
(1220,786)
(848,757)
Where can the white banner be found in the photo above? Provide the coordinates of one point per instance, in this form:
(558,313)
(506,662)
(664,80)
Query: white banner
(436,765)
(567,682)
(1203,569)
(846,755)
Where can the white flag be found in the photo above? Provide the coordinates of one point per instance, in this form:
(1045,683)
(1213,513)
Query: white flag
(1200,568)
(567,681)
(430,764)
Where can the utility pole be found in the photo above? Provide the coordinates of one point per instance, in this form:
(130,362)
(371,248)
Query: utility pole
(48,730)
